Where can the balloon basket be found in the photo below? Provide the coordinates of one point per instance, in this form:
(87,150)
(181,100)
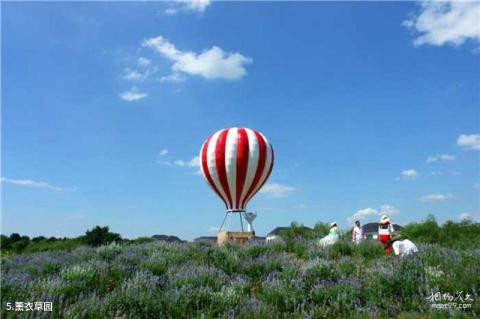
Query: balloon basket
(235,236)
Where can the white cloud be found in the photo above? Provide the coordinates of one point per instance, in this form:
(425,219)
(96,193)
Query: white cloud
(440,157)
(446,22)
(362,213)
(213,229)
(31,183)
(144,61)
(171,11)
(388,210)
(133,95)
(194,162)
(410,173)
(134,75)
(210,64)
(276,190)
(198,6)
(163,152)
(435,197)
(385,209)
(131,75)
(469,142)
(173,77)
(465,216)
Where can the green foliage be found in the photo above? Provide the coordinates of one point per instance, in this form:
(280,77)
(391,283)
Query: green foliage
(462,235)
(341,248)
(100,236)
(321,229)
(369,249)
(162,280)
(295,278)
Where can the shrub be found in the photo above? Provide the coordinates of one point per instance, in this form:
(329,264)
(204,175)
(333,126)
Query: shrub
(340,248)
(100,236)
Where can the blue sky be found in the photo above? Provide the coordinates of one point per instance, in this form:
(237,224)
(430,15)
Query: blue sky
(371,107)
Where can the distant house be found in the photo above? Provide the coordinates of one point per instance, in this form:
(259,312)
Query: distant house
(371,230)
(260,239)
(167,238)
(274,234)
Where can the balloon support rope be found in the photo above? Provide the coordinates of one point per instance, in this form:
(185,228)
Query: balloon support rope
(226,214)
(241,221)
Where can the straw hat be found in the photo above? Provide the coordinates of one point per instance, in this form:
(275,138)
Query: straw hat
(384,219)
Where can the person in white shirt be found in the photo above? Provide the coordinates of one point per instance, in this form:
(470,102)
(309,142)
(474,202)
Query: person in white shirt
(357,233)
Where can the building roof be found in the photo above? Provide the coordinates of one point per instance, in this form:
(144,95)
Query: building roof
(278,230)
(373,227)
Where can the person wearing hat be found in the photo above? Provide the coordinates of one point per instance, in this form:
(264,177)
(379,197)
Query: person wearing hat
(333,228)
(385,233)
(332,236)
(357,233)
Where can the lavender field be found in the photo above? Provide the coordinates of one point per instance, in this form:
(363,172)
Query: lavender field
(294,280)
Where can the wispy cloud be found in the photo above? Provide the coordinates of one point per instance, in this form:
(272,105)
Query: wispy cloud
(276,190)
(389,210)
(196,6)
(385,209)
(194,162)
(133,95)
(436,197)
(145,62)
(445,22)
(32,183)
(135,75)
(410,173)
(362,214)
(213,229)
(131,75)
(210,64)
(173,77)
(469,142)
(440,157)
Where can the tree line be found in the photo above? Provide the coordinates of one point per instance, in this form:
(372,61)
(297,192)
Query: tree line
(458,235)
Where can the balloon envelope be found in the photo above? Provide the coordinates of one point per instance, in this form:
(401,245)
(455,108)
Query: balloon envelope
(236,162)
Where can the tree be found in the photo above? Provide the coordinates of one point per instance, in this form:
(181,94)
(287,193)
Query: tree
(100,236)
(321,229)
(38,238)
(15,237)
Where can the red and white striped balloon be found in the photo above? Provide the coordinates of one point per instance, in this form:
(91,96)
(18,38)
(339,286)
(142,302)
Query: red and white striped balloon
(236,162)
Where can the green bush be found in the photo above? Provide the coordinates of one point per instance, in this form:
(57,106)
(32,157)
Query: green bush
(100,236)
(462,235)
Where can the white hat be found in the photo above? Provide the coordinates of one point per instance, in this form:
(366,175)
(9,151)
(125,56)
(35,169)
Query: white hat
(333,224)
(384,219)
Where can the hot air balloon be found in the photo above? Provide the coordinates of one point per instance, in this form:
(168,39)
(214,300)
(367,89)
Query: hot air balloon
(236,163)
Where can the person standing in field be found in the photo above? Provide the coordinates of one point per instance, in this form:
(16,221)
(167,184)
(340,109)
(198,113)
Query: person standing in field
(332,236)
(357,233)
(385,233)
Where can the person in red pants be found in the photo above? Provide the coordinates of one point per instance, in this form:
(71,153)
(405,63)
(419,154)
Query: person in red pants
(385,233)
